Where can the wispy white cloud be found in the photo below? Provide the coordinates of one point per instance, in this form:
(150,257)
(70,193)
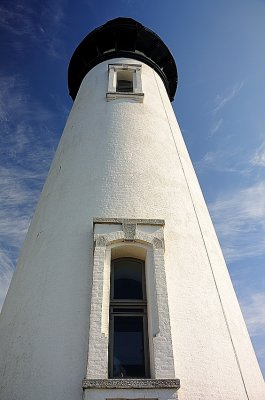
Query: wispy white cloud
(254,313)
(22,117)
(239,219)
(216,126)
(221,161)
(40,23)
(259,157)
(52,24)
(26,151)
(231,159)
(8,84)
(17,202)
(6,272)
(207,160)
(15,101)
(221,100)
(17,19)
(25,125)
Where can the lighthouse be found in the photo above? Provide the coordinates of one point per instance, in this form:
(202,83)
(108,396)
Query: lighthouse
(121,290)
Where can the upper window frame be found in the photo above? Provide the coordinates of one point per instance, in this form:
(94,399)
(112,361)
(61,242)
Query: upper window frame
(137,92)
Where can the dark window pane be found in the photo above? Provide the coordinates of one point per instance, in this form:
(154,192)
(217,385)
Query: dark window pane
(128,347)
(127,275)
(124,86)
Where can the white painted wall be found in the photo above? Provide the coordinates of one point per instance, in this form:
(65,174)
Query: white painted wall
(121,159)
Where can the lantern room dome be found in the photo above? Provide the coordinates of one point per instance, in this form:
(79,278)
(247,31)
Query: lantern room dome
(122,37)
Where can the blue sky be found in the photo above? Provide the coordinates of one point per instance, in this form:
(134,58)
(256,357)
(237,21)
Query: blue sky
(219,50)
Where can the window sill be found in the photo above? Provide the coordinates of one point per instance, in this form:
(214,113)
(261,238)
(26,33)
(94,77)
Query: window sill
(131,383)
(139,97)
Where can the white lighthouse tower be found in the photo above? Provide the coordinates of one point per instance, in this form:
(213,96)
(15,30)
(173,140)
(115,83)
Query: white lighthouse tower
(121,290)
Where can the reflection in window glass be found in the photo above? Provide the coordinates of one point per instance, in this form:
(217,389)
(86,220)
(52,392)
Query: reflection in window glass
(128,347)
(128,279)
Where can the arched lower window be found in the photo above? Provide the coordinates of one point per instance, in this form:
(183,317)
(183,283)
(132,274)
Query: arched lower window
(128,345)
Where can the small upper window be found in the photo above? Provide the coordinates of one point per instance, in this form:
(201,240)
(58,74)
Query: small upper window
(125,82)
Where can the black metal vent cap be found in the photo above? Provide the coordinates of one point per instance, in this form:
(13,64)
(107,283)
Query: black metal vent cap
(122,37)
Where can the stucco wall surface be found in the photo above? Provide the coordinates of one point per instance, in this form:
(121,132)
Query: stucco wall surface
(121,159)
